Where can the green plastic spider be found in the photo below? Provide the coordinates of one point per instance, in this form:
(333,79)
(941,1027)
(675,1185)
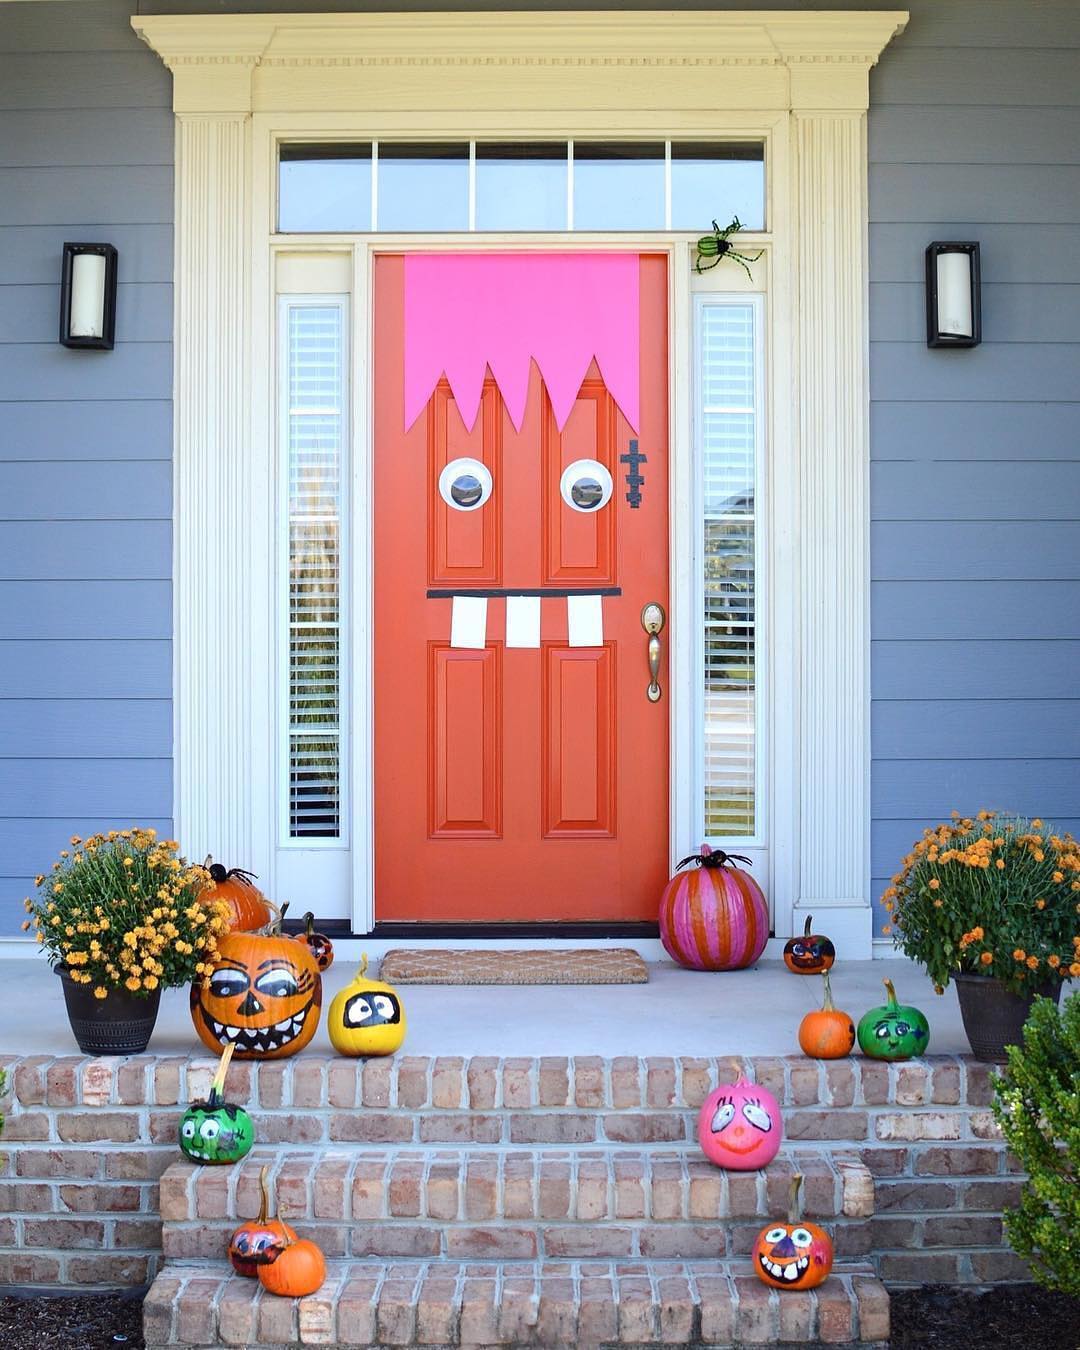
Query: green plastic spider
(718,245)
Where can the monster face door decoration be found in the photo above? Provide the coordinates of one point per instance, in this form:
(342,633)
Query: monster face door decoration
(468,314)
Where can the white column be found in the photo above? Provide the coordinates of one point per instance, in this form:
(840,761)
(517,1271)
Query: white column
(832,419)
(213,471)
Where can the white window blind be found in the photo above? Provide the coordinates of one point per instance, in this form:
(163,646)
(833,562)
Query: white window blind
(314,439)
(728,452)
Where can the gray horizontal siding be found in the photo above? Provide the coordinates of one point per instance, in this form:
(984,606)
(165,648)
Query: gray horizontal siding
(37,137)
(132,370)
(82,80)
(104,550)
(28,843)
(66,195)
(50,669)
(85,728)
(86,429)
(974,133)
(107,490)
(86,609)
(30,313)
(30,254)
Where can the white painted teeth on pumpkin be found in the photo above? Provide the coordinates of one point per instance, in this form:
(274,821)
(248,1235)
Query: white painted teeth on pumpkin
(283,1026)
(232,1032)
(218,1028)
(793,1272)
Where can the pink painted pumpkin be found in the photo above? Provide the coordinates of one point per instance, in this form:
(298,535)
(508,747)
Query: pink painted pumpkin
(713,917)
(740,1126)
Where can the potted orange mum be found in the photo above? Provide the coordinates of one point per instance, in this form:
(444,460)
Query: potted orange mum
(992,902)
(121,917)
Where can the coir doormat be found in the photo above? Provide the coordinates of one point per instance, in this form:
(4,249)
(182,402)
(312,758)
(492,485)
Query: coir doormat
(619,965)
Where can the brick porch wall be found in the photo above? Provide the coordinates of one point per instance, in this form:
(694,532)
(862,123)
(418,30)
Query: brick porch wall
(86,1141)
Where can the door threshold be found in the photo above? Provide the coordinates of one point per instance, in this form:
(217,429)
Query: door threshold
(429,932)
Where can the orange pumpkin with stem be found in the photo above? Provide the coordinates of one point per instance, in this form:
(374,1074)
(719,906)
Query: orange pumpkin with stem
(298,1269)
(249,909)
(796,1254)
(264,993)
(827,1032)
(257,1241)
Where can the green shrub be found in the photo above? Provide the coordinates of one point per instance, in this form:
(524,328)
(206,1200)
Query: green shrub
(1037,1105)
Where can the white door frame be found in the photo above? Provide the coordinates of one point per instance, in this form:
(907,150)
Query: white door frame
(799,77)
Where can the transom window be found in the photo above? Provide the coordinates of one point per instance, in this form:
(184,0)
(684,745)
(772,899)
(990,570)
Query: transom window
(400,187)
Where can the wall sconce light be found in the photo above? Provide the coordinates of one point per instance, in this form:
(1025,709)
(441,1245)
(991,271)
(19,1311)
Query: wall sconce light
(953,295)
(88,296)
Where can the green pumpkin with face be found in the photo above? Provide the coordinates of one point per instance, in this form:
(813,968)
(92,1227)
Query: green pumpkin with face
(216,1131)
(894,1030)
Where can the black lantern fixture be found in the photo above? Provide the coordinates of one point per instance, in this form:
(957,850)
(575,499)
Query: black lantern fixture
(88,296)
(953,295)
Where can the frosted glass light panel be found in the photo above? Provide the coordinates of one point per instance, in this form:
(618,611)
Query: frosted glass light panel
(618,186)
(314,442)
(423,186)
(727,429)
(521,186)
(717,182)
(324,188)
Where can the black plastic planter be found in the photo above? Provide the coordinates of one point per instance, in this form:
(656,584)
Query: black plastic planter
(993,1016)
(118,1025)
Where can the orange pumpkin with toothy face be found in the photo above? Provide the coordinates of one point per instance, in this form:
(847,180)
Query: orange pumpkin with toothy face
(264,994)
(795,1254)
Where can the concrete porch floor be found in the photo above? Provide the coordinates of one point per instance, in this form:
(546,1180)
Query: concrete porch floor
(679,1012)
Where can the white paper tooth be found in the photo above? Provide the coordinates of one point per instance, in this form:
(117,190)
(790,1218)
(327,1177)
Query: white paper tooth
(585,620)
(468,622)
(523,621)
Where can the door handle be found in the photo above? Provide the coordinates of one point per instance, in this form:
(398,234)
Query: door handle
(653,619)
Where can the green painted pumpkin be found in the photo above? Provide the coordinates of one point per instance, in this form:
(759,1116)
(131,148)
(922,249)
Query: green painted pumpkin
(216,1131)
(894,1030)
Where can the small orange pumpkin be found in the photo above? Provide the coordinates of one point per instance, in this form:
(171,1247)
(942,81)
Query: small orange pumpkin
(264,992)
(321,947)
(792,1255)
(257,1241)
(299,1269)
(827,1032)
(249,909)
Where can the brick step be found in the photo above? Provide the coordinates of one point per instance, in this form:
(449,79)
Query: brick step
(506,1205)
(585,1304)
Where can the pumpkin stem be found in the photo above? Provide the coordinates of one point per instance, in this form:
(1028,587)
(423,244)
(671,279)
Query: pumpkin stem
(363,966)
(806,926)
(891,992)
(275,927)
(309,924)
(264,1205)
(217,1087)
(828,1005)
(714,858)
(794,1207)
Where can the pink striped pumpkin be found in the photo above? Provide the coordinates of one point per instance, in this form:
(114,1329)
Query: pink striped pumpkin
(713,917)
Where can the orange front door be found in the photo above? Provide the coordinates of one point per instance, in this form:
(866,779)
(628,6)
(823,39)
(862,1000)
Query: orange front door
(519,783)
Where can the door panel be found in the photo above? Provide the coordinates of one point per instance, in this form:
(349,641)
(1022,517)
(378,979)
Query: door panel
(517,784)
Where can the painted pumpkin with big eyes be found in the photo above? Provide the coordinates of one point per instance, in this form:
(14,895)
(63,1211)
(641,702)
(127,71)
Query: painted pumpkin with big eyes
(264,994)
(257,1241)
(740,1126)
(216,1131)
(796,1254)
(826,1032)
(809,954)
(893,1030)
(319,944)
(366,1017)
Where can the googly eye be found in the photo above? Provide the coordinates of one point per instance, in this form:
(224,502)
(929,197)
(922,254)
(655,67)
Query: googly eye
(465,484)
(187,1130)
(775,1234)
(209,1129)
(802,1237)
(757,1116)
(586,485)
(722,1119)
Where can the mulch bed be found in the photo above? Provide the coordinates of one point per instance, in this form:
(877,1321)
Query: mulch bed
(937,1317)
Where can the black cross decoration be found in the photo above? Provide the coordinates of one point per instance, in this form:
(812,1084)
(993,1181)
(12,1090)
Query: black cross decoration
(634,480)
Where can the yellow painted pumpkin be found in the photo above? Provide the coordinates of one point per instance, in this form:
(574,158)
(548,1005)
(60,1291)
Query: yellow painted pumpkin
(366,1017)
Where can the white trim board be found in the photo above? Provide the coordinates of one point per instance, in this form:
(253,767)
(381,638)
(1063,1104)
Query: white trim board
(798,80)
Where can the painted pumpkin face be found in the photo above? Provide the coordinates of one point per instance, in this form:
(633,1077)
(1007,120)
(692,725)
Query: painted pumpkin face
(366,1017)
(894,1030)
(318,944)
(258,1241)
(740,1127)
(793,1255)
(216,1134)
(264,995)
(809,954)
